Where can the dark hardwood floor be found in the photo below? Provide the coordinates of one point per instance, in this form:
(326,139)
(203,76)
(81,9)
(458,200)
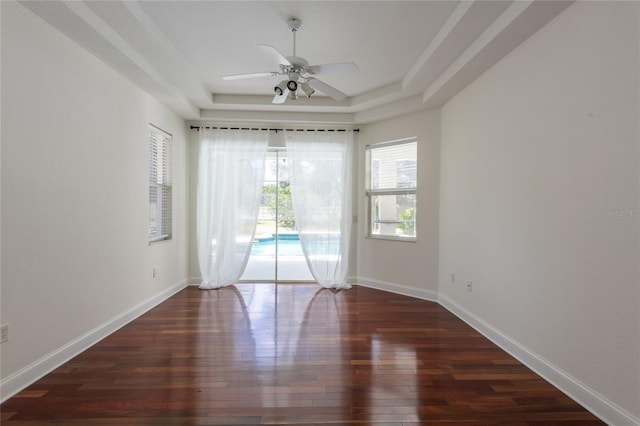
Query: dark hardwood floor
(294,354)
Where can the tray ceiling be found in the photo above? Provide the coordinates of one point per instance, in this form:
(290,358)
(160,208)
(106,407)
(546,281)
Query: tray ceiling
(412,55)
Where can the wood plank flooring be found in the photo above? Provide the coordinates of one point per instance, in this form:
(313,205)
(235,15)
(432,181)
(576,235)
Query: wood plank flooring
(293,354)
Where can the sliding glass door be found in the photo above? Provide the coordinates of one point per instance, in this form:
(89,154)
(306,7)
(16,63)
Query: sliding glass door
(276,254)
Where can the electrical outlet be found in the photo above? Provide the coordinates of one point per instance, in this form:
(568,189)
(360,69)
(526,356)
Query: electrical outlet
(469,286)
(155,272)
(453,278)
(4,333)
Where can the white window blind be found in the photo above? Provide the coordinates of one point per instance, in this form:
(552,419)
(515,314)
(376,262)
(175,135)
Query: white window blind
(392,182)
(160,205)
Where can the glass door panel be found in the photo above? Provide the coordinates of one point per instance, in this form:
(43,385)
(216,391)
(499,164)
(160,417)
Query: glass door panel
(262,261)
(276,254)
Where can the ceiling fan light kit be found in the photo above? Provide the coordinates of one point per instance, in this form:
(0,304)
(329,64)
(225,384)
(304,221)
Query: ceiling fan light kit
(281,87)
(298,72)
(307,89)
(292,84)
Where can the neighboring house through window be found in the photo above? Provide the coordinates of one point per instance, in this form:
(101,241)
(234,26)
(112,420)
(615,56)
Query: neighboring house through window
(391,185)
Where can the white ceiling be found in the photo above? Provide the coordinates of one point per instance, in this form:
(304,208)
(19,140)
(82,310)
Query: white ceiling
(412,55)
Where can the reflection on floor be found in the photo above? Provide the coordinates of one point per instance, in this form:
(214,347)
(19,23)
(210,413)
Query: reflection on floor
(293,354)
(290,268)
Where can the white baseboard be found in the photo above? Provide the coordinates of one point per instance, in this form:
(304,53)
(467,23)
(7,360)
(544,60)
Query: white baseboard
(418,293)
(22,378)
(597,404)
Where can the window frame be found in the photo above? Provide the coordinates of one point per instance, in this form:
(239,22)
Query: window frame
(160,183)
(370,193)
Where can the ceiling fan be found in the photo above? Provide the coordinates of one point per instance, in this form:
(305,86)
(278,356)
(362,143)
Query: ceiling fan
(298,71)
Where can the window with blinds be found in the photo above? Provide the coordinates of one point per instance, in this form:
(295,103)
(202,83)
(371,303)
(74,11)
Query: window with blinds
(159,185)
(391,185)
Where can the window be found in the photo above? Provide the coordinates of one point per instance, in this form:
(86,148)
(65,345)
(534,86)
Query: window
(391,183)
(159,185)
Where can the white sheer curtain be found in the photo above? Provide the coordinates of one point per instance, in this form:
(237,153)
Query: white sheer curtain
(230,176)
(320,176)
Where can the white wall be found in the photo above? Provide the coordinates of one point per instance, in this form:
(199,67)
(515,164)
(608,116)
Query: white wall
(400,266)
(74,194)
(539,199)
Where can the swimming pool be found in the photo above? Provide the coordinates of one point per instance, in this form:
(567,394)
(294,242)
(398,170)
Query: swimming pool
(286,247)
(291,247)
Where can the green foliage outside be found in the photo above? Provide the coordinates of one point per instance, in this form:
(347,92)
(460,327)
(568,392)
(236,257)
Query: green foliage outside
(285,207)
(408,217)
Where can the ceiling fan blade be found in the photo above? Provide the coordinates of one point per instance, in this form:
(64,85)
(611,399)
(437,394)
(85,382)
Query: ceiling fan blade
(275,54)
(279,99)
(343,67)
(325,88)
(250,75)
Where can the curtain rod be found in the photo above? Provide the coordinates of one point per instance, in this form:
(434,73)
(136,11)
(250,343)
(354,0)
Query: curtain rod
(273,129)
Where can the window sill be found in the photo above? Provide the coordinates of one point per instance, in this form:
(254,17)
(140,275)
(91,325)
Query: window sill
(160,238)
(391,238)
